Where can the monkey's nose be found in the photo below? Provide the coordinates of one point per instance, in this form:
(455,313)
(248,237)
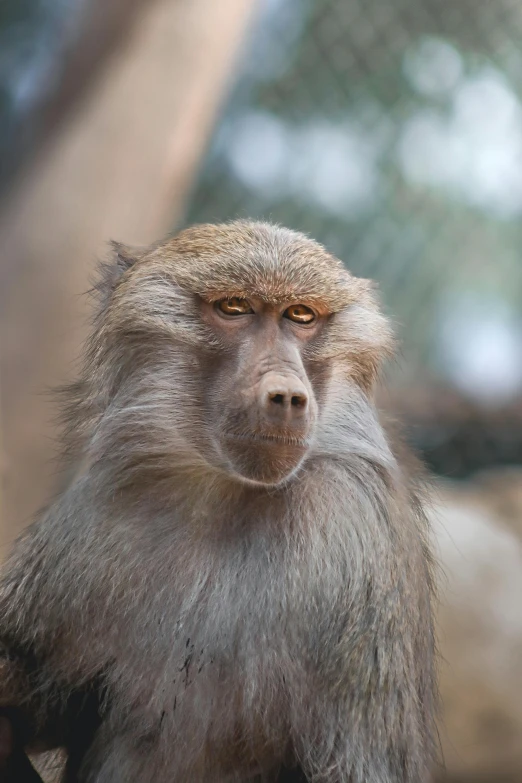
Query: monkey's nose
(283,399)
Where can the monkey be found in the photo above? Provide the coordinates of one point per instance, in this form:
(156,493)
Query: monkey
(237,584)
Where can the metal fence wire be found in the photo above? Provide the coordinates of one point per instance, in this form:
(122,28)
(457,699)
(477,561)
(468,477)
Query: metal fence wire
(391,131)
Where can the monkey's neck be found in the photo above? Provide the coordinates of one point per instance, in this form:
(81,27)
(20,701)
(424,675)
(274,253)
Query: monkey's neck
(208,505)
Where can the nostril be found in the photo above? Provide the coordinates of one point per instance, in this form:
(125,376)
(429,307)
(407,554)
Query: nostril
(284,399)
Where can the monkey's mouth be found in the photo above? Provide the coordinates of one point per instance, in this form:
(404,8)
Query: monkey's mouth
(269,437)
(267,458)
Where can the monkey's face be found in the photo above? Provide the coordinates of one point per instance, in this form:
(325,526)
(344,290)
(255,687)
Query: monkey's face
(233,348)
(261,400)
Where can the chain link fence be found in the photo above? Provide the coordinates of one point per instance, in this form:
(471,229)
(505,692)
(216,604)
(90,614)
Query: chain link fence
(392,132)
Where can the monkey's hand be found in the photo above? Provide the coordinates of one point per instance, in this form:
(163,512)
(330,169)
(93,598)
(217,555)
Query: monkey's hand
(15,766)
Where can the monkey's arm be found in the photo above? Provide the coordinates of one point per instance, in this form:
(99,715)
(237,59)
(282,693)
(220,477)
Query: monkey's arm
(41,699)
(15,727)
(14,763)
(15,692)
(29,724)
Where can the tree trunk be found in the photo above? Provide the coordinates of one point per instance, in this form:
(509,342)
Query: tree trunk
(119,167)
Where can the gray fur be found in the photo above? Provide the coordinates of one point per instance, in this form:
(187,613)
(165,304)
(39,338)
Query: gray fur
(238,627)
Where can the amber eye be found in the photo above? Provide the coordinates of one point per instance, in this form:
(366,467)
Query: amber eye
(299,313)
(234,306)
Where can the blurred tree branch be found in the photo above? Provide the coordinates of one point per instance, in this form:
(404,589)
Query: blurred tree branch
(101,29)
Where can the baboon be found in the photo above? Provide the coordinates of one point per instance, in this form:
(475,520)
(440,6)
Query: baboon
(237,583)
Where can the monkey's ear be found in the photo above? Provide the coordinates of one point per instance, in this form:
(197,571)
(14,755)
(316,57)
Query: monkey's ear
(124,256)
(110,271)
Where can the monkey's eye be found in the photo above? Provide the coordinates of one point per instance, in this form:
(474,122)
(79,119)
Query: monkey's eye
(299,313)
(234,306)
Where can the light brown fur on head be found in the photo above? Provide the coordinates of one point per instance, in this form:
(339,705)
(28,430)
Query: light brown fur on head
(258,259)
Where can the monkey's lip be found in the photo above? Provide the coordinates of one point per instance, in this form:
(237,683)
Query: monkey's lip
(270,438)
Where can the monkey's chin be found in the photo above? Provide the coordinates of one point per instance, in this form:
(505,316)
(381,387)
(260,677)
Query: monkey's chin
(264,462)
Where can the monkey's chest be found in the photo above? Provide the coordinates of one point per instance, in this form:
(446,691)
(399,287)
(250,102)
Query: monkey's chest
(219,665)
(221,690)
(230,715)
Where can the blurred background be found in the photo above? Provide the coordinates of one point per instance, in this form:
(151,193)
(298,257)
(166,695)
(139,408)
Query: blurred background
(391,132)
